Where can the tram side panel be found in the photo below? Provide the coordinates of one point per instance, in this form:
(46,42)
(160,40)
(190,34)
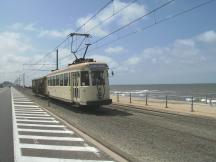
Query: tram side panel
(75,88)
(59,87)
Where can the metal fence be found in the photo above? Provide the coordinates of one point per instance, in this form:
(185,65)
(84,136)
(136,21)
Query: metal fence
(208,99)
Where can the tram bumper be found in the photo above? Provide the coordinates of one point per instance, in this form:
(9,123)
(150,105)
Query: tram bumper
(100,102)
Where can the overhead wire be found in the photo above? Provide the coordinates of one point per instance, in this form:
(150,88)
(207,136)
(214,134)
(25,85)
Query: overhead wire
(38,69)
(49,53)
(142,29)
(155,23)
(114,14)
(37,64)
(130,23)
(134,21)
(92,17)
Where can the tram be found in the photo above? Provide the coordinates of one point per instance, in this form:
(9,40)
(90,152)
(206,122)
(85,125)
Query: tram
(83,83)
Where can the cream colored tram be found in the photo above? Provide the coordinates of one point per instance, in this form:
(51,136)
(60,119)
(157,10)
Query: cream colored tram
(82,84)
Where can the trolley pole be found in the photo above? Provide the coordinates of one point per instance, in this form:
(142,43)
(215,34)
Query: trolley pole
(57,59)
(23,80)
(146,99)
(19,81)
(117,97)
(210,101)
(130,98)
(206,99)
(192,104)
(166,102)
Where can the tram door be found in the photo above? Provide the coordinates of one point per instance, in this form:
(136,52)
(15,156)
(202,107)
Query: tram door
(75,86)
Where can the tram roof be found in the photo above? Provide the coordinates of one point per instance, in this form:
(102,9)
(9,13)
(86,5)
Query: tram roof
(80,66)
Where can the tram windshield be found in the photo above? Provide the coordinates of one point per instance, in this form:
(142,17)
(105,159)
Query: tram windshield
(84,78)
(97,78)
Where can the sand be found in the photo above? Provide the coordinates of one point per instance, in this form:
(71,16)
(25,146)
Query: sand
(182,107)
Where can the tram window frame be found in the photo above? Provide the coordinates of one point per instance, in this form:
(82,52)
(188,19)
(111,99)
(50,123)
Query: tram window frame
(69,79)
(53,80)
(61,82)
(57,80)
(71,82)
(51,83)
(85,80)
(78,79)
(73,78)
(65,79)
(48,82)
(98,78)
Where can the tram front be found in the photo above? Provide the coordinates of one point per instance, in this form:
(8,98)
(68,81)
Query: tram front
(95,88)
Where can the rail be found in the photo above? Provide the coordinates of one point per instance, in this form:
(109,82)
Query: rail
(148,98)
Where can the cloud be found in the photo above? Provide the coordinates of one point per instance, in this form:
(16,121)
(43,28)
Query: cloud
(26,27)
(181,56)
(111,63)
(40,31)
(132,12)
(100,32)
(12,43)
(185,42)
(16,50)
(183,60)
(182,52)
(114,50)
(133,60)
(54,33)
(207,37)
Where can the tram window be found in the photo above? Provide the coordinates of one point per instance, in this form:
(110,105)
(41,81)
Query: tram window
(77,78)
(53,80)
(84,78)
(61,80)
(72,79)
(57,80)
(97,78)
(66,79)
(69,79)
(47,82)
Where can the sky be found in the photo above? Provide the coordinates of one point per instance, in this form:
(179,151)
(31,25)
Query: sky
(179,50)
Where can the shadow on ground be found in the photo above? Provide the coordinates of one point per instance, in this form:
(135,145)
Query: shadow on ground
(91,110)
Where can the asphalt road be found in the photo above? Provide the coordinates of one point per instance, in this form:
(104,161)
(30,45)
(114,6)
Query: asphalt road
(143,136)
(6,128)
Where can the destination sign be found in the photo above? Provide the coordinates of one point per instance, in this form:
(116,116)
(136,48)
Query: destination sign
(97,66)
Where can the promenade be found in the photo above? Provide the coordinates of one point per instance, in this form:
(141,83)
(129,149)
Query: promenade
(180,107)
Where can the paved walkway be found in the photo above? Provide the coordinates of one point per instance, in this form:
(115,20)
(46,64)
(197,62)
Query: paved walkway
(40,137)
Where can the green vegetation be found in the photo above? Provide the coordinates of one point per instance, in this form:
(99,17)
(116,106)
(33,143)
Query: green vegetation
(5,84)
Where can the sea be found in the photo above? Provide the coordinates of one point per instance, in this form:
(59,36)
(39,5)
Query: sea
(199,92)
